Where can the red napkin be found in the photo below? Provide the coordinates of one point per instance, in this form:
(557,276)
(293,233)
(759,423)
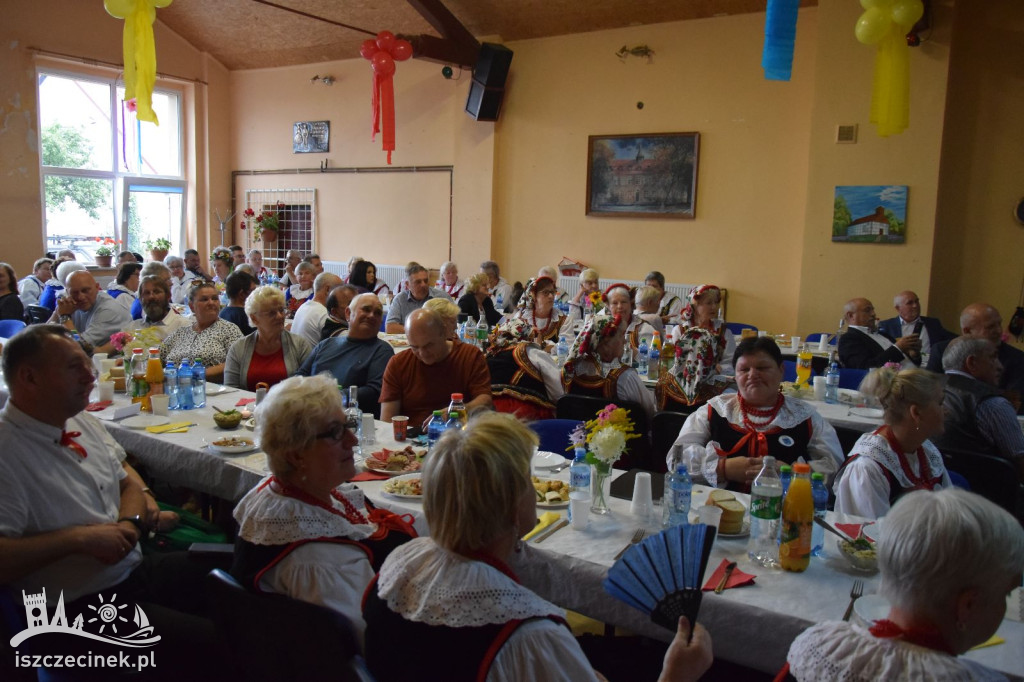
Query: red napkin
(245,401)
(853,529)
(736,579)
(97,406)
(369,476)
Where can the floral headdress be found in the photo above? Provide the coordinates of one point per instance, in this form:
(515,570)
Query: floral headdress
(528,301)
(690,310)
(223,255)
(585,346)
(509,333)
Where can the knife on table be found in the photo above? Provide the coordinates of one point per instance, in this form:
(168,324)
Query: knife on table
(551,531)
(729,567)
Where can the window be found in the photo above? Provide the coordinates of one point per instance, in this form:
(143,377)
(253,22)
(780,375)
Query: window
(106,174)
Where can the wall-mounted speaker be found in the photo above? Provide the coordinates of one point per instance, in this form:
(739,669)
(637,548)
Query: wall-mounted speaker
(487,89)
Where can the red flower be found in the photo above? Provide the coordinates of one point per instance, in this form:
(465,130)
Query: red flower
(249,213)
(130,104)
(259,218)
(242,225)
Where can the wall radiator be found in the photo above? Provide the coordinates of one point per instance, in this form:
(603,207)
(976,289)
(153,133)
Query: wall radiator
(392,274)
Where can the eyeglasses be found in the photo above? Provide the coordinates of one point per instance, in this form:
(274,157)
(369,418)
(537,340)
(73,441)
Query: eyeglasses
(274,311)
(546,292)
(337,431)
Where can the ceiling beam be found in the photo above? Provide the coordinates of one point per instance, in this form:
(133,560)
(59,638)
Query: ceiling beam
(456,44)
(444,22)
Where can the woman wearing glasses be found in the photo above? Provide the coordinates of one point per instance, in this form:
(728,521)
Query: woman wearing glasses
(304,531)
(270,354)
(537,308)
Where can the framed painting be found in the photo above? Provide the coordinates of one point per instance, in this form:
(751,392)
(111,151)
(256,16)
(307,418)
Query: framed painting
(870,214)
(311,137)
(651,175)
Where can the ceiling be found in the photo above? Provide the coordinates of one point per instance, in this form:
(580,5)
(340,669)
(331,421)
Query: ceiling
(245,34)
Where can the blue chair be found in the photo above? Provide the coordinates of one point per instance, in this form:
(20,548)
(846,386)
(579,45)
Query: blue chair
(554,434)
(851,378)
(738,327)
(9,328)
(789,370)
(816,337)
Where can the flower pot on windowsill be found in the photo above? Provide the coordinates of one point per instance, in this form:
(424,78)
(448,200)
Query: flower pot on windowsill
(158,254)
(103,261)
(269,236)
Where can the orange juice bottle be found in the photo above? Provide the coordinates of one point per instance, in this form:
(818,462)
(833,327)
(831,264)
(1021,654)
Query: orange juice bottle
(139,388)
(803,365)
(797,521)
(154,377)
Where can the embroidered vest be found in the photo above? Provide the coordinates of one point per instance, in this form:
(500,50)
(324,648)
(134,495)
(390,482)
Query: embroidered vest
(513,374)
(785,445)
(595,385)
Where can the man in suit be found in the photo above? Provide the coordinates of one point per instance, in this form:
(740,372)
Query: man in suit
(910,321)
(863,347)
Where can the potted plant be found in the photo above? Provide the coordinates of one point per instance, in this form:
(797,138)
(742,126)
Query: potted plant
(158,248)
(265,224)
(105,253)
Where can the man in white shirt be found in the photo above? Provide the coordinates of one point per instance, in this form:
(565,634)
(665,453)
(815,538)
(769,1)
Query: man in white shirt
(863,347)
(93,313)
(311,315)
(909,320)
(670,306)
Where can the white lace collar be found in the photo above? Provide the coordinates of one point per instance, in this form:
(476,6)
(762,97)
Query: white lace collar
(875,446)
(426,583)
(794,411)
(842,651)
(268,518)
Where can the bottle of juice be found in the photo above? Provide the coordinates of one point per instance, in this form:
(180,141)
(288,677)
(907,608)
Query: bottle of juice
(154,377)
(140,389)
(457,410)
(797,521)
(803,365)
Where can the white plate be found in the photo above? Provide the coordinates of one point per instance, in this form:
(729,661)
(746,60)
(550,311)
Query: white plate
(744,531)
(235,449)
(401,478)
(871,607)
(868,412)
(388,473)
(141,421)
(561,504)
(217,389)
(546,460)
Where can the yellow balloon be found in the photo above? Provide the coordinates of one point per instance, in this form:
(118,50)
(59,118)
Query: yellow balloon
(906,13)
(872,26)
(119,8)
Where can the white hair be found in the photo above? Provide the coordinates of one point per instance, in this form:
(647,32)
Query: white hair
(589,275)
(65,269)
(261,297)
(292,414)
(548,271)
(646,295)
(445,266)
(961,348)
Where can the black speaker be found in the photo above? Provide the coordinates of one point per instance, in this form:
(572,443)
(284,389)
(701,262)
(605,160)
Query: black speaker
(484,104)
(487,89)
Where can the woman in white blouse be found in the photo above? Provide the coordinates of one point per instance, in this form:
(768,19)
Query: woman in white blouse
(208,337)
(454,591)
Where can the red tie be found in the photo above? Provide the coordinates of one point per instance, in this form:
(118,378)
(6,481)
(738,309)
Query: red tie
(66,438)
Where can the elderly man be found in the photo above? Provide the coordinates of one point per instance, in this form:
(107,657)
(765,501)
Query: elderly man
(31,288)
(422,379)
(314,260)
(72,514)
(909,320)
(311,315)
(863,347)
(978,418)
(255,260)
(449,282)
(418,293)
(153,267)
(126,257)
(90,311)
(194,264)
(337,310)
(670,306)
(501,291)
(357,358)
(155,295)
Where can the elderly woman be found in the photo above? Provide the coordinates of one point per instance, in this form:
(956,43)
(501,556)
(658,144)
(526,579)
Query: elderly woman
(271,354)
(303,531)
(723,443)
(238,287)
(948,560)
(525,381)
(302,290)
(363,275)
(700,316)
(449,313)
(898,457)
(255,260)
(31,288)
(476,302)
(125,286)
(454,591)
(62,269)
(647,301)
(537,309)
(593,366)
(581,304)
(449,282)
(11,307)
(207,338)
(180,279)
(221,263)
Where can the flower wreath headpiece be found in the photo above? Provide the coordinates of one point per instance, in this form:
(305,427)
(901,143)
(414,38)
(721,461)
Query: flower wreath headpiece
(585,346)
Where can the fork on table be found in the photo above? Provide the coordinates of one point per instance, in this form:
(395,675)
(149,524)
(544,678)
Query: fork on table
(637,537)
(855,593)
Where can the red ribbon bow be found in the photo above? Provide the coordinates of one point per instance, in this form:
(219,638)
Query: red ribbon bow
(67,440)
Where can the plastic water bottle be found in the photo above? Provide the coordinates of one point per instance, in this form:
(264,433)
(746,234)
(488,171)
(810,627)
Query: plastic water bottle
(820,494)
(579,473)
(499,301)
(469,331)
(653,363)
(785,476)
(675,501)
(481,333)
(435,427)
(353,415)
(457,411)
(562,349)
(642,358)
(765,512)
(199,383)
(185,398)
(171,385)
(462,330)
(832,384)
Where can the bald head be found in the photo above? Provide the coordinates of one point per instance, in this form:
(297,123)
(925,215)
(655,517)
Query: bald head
(908,305)
(860,312)
(323,284)
(982,321)
(425,332)
(82,289)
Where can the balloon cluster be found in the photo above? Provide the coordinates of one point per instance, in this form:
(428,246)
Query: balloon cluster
(139,51)
(885,23)
(383,53)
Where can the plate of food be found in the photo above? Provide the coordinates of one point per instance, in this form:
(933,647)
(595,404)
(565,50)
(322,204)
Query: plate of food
(547,460)
(408,487)
(551,493)
(143,421)
(231,445)
(395,462)
(869,412)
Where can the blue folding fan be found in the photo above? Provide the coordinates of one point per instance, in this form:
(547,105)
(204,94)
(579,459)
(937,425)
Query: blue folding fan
(662,575)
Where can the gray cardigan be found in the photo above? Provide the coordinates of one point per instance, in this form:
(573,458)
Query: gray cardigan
(236,366)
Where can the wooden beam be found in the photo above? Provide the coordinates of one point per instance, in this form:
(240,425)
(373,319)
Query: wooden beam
(433,49)
(444,22)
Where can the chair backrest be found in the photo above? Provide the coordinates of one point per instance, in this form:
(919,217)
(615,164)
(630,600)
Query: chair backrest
(816,337)
(554,434)
(789,370)
(9,328)
(36,314)
(738,327)
(992,477)
(665,427)
(274,637)
(851,378)
(585,408)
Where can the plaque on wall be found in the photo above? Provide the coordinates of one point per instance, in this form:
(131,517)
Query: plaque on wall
(311,137)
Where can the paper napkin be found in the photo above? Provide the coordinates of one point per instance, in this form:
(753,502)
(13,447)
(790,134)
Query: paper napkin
(546,519)
(853,529)
(177,427)
(99,405)
(369,476)
(737,579)
(242,402)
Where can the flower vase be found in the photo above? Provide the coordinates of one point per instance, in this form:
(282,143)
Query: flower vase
(600,483)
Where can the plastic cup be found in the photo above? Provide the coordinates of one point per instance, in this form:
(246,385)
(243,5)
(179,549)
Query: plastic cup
(762,332)
(160,402)
(642,504)
(106,390)
(819,388)
(710,516)
(369,430)
(398,424)
(579,509)
(794,343)
(823,343)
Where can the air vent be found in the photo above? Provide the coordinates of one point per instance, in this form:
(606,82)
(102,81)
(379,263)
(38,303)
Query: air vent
(846,134)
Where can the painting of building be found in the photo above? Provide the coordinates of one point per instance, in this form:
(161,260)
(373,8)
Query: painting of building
(643,175)
(870,213)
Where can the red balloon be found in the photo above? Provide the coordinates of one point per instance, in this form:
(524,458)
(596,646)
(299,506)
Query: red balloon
(368,48)
(401,50)
(382,64)
(385,39)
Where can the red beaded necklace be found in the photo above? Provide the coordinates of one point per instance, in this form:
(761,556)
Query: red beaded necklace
(352,514)
(767,414)
(925,479)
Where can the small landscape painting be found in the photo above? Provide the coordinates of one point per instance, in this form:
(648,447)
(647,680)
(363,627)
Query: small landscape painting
(874,214)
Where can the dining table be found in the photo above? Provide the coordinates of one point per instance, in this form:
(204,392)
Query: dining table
(752,625)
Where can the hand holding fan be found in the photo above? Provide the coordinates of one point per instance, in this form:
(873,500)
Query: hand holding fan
(662,575)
